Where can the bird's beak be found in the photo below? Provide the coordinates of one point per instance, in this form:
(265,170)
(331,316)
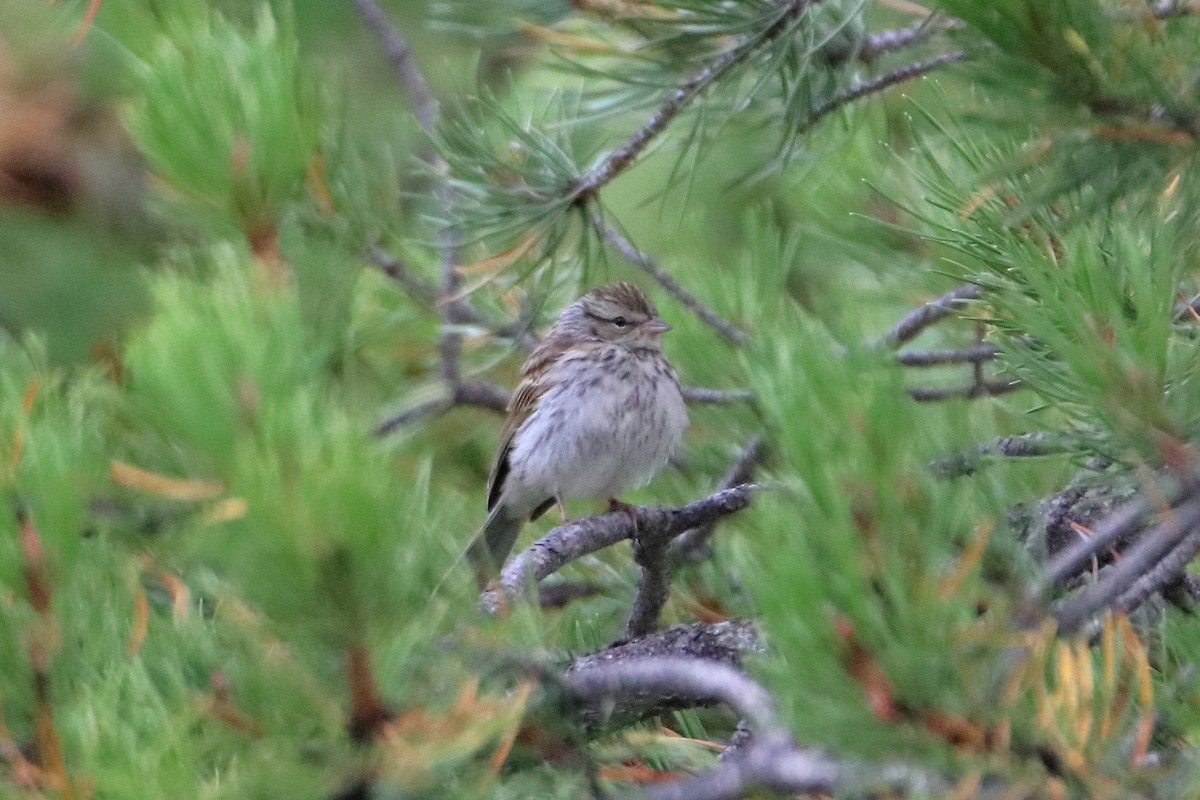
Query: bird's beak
(656,325)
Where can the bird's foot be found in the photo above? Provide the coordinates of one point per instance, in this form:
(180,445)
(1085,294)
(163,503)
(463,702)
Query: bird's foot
(615,505)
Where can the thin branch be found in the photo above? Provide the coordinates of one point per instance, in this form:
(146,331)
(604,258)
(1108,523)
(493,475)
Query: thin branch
(885,81)
(986,388)
(694,681)
(425,107)
(692,545)
(476,394)
(399,56)
(578,538)
(560,594)
(975,354)
(930,314)
(425,291)
(430,408)
(417,287)
(640,259)
(481,395)
(1175,118)
(620,159)
(701,396)
(488,396)
(884,42)
(1025,445)
(788,770)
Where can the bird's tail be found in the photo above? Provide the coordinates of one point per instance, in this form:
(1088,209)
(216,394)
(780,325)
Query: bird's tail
(493,543)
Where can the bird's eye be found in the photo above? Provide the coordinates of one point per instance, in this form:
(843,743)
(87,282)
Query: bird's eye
(620,322)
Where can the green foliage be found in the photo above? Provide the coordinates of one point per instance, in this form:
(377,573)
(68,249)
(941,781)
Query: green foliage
(1101,85)
(228,119)
(874,575)
(223,535)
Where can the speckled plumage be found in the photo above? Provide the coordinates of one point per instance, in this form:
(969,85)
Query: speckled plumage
(598,411)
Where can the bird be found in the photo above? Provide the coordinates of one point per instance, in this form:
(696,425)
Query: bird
(598,411)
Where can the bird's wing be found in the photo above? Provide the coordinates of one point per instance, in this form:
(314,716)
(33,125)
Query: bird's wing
(536,383)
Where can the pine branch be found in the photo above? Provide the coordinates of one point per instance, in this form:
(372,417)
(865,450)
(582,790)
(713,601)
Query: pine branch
(586,187)
(488,396)
(883,82)
(1114,528)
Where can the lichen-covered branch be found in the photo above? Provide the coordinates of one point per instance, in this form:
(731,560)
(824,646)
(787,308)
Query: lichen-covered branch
(577,538)
(721,642)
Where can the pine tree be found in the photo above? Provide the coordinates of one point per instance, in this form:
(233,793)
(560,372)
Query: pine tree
(269,274)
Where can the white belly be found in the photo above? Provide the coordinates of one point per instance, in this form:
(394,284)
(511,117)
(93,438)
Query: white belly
(599,434)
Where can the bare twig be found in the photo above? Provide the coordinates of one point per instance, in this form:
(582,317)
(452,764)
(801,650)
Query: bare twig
(929,314)
(625,247)
(467,393)
(560,594)
(1025,445)
(399,56)
(692,545)
(974,354)
(620,159)
(480,394)
(417,287)
(985,388)
(579,537)
(430,408)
